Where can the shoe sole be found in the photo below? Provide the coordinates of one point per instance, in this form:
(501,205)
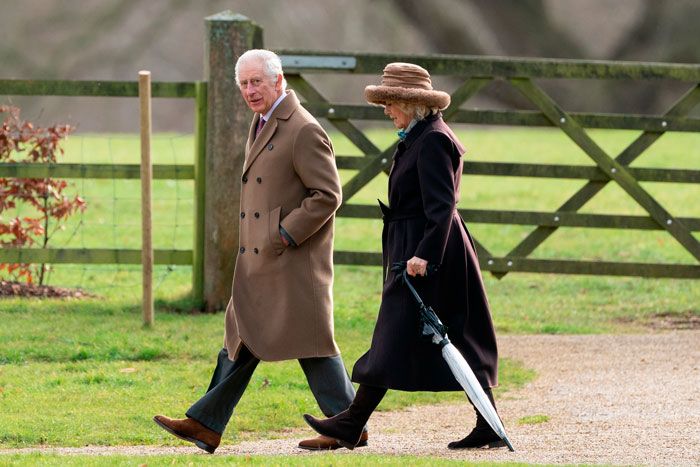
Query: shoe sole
(198,443)
(492,445)
(344,444)
(361,444)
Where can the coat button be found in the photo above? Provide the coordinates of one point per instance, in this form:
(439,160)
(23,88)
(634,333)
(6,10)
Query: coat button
(269,147)
(256,251)
(259,180)
(244,179)
(242,250)
(257,215)
(242,215)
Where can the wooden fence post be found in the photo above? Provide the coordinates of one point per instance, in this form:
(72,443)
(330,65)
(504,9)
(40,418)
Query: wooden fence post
(200,159)
(146,175)
(228,35)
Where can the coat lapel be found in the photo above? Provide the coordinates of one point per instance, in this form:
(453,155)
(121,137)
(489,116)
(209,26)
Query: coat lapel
(251,134)
(255,147)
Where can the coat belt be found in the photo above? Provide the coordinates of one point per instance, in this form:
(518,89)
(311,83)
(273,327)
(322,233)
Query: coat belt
(391,215)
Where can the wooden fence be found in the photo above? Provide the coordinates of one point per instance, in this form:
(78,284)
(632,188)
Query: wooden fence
(186,90)
(476,73)
(229,34)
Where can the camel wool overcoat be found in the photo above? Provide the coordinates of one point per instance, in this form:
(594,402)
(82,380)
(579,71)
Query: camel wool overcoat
(422,220)
(281,303)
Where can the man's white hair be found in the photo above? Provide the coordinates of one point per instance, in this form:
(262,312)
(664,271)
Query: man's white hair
(272,64)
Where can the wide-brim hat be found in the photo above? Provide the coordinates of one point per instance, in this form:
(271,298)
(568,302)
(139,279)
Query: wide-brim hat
(406,82)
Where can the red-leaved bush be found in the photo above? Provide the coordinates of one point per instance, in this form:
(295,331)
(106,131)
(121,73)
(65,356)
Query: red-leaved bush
(22,142)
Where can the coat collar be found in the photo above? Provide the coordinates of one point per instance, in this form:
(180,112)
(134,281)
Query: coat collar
(283,111)
(417,130)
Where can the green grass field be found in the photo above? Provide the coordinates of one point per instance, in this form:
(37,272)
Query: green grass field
(325,459)
(86,372)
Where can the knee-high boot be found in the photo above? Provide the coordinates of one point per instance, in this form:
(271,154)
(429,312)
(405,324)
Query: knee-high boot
(482,435)
(347,426)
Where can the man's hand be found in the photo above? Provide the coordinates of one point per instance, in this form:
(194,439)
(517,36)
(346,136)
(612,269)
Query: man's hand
(416,266)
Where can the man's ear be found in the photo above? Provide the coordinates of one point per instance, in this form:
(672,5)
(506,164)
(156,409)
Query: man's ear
(278,84)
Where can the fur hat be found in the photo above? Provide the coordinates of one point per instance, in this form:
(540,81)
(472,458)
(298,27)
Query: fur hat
(406,82)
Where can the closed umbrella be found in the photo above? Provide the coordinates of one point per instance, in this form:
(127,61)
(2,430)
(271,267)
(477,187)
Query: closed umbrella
(433,329)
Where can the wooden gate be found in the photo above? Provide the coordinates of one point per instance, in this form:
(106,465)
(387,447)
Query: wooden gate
(520,74)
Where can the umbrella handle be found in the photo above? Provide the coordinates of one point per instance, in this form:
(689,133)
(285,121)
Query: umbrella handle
(404,275)
(429,318)
(400,266)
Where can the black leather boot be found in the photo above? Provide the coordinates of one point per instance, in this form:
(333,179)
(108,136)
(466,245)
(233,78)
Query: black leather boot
(482,435)
(346,427)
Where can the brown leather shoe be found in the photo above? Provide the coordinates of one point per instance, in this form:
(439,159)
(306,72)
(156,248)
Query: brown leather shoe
(324,443)
(190,430)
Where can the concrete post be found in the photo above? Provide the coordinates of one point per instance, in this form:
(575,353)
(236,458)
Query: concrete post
(228,35)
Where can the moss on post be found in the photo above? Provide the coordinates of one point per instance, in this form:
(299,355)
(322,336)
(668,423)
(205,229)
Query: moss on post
(228,35)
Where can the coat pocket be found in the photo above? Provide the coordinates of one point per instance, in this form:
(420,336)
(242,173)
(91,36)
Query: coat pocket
(274,231)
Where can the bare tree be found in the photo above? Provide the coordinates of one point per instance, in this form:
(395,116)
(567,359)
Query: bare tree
(519,27)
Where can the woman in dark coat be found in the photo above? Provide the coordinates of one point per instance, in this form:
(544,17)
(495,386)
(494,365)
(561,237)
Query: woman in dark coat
(422,228)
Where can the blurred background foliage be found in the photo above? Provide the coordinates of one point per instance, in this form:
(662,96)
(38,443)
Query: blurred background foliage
(113,39)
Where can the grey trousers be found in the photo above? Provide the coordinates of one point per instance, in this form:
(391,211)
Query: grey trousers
(327,378)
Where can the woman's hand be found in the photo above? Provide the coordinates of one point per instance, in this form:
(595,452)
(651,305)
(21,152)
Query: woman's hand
(416,266)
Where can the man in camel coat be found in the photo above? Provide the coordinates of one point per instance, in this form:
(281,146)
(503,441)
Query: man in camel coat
(281,304)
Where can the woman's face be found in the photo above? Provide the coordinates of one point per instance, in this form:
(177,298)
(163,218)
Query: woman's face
(400,118)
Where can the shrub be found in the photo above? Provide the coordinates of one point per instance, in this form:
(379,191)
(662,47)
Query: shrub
(22,142)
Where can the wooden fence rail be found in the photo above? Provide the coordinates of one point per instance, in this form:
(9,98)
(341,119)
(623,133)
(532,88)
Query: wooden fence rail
(120,89)
(476,73)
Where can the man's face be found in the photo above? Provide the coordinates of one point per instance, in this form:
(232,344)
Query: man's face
(258,90)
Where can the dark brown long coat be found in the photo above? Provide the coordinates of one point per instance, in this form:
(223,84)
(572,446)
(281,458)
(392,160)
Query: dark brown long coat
(282,304)
(422,221)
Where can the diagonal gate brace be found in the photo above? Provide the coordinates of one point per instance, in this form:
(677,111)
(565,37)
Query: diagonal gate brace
(681,108)
(611,167)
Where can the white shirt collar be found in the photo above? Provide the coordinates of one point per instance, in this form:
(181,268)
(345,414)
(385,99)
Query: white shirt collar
(411,125)
(267,116)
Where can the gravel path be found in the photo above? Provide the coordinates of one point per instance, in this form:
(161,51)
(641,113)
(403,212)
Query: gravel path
(624,399)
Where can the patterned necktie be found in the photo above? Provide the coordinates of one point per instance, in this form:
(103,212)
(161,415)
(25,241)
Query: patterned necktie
(261,124)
